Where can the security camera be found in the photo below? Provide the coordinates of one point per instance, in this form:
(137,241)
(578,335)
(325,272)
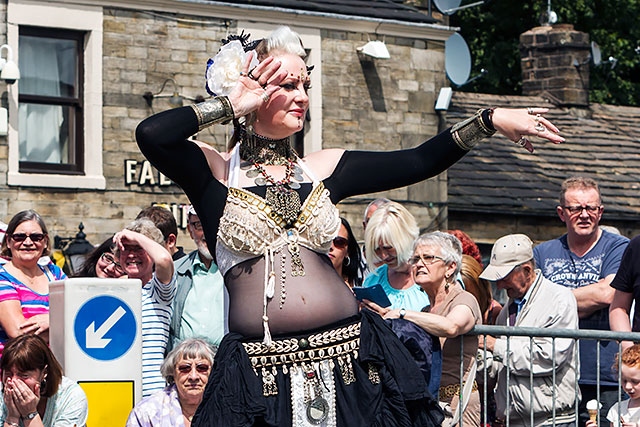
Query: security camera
(10,72)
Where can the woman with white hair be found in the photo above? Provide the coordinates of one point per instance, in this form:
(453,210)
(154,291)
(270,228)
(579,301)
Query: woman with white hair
(299,351)
(186,370)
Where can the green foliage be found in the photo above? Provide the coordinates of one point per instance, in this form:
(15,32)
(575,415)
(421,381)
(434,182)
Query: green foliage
(493,30)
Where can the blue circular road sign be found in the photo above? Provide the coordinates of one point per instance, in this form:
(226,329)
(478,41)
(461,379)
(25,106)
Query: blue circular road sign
(105,327)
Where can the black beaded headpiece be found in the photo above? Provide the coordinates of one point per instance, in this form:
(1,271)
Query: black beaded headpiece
(242,38)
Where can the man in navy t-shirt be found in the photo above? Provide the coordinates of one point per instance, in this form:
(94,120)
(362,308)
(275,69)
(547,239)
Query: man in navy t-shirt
(586,260)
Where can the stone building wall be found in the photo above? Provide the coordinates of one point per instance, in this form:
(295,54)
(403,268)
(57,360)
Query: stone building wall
(384,105)
(380,105)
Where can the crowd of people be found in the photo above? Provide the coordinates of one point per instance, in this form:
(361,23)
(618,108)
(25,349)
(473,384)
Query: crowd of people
(260,326)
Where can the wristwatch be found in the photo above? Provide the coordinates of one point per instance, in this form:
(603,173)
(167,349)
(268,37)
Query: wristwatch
(31,415)
(402,313)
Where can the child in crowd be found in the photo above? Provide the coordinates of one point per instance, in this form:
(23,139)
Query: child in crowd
(627,412)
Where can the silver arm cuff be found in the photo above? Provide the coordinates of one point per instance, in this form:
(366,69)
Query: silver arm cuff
(212,111)
(468,133)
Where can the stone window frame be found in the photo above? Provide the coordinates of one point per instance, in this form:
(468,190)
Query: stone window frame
(78,18)
(312,41)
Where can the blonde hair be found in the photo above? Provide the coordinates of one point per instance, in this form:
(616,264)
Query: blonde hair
(480,288)
(393,225)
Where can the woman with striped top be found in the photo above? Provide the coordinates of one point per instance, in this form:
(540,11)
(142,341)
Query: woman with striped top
(24,281)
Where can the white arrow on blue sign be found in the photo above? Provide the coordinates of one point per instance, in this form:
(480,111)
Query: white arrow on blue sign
(105,327)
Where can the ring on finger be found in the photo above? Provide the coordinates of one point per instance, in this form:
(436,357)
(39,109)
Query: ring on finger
(530,111)
(265,96)
(540,127)
(251,76)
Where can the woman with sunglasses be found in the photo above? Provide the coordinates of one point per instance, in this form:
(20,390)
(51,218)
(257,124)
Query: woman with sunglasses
(186,370)
(435,264)
(345,255)
(24,282)
(102,262)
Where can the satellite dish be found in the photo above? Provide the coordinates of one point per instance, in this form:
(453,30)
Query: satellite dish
(457,59)
(595,54)
(447,7)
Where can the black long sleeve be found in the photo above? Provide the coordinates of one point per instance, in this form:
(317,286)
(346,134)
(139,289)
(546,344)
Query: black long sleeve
(162,138)
(362,172)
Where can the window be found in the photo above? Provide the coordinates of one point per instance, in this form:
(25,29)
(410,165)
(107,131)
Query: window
(55,109)
(50,101)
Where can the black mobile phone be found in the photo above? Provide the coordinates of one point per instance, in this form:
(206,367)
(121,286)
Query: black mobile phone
(374,293)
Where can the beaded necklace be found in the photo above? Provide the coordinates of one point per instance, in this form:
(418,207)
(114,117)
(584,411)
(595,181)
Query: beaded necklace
(258,150)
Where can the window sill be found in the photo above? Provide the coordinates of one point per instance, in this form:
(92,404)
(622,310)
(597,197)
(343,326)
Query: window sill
(94,182)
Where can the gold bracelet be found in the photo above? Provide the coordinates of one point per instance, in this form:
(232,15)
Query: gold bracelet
(216,110)
(469,132)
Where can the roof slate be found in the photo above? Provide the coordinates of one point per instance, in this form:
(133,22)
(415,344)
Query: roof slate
(377,9)
(602,142)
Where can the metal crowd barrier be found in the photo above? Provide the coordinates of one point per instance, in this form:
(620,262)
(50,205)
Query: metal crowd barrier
(576,335)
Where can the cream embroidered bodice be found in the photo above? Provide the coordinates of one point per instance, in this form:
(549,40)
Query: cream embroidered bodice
(249,228)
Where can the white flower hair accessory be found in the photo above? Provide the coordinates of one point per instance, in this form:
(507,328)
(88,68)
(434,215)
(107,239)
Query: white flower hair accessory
(223,71)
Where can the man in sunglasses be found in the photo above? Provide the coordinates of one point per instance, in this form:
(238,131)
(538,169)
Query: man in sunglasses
(586,260)
(200,308)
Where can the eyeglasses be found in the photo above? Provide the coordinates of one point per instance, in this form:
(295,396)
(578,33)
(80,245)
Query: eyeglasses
(21,237)
(201,368)
(426,259)
(197,225)
(578,209)
(110,260)
(340,242)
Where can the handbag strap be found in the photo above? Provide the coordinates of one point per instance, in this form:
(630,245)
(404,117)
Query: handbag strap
(467,388)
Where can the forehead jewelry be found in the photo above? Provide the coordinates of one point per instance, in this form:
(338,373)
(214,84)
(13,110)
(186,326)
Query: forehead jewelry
(303,76)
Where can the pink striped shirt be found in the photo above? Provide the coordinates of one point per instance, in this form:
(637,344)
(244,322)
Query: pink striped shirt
(32,302)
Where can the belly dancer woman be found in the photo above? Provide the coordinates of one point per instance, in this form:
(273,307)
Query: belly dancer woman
(299,352)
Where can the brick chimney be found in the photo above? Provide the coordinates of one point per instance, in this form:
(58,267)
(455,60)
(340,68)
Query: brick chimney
(555,62)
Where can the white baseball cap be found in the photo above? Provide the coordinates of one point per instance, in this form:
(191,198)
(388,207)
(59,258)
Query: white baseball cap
(508,252)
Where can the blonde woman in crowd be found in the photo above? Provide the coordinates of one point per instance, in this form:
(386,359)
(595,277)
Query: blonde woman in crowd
(389,239)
